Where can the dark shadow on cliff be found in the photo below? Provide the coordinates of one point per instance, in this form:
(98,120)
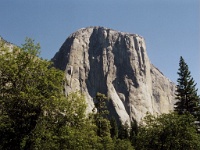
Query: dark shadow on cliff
(96,81)
(61,58)
(124,70)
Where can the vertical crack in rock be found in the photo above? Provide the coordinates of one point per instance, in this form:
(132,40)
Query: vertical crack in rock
(96,81)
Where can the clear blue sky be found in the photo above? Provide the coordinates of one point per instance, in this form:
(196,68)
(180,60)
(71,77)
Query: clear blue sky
(171,28)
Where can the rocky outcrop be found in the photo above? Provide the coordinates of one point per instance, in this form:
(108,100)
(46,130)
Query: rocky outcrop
(98,59)
(6,44)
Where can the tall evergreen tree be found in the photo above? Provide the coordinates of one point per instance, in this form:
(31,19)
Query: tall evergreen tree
(133,131)
(101,115)
(186,94)
(102,122)
(114,128)
(124,132)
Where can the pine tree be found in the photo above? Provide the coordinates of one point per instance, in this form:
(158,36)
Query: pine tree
(102,122)
(186,94)
(114,128)
(101,115)
(133,131)
(124,132)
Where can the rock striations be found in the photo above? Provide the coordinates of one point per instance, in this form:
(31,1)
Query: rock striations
(97,59)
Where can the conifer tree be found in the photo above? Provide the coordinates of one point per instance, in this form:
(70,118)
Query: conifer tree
(133,131)
(186,93)
(114,128)
(124,132)
(101,116)
(102,122)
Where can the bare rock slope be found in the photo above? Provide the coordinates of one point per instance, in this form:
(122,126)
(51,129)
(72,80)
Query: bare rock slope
(98,59)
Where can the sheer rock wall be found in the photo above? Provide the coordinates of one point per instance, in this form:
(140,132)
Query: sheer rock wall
(98,59)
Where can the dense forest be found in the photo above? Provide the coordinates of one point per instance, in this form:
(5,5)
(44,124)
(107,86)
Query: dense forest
(35,113)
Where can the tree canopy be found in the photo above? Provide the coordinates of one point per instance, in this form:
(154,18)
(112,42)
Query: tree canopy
(168,131)
(27,86)
(34,112)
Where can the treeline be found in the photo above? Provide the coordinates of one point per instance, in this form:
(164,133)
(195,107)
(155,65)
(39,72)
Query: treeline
(35,114)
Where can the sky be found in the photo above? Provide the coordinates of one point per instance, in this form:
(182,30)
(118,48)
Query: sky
(171,28)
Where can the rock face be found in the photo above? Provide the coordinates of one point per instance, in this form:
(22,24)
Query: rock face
(6,44)
(98,59)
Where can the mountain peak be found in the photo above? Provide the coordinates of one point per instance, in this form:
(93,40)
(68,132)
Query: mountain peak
(101,30)
(98,59)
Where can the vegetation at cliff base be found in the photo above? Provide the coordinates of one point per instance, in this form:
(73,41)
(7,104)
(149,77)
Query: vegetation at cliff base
(168,131)
(35,113)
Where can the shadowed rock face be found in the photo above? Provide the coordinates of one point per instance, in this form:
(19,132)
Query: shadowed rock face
(98,59)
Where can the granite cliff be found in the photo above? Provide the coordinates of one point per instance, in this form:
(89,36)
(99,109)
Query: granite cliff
(97,59)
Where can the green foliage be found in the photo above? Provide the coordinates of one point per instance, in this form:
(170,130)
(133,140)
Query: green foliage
(102,122)
(114,128)
(168,131)
(133,132)
(34,112)
(124,132)
(123,145)
(186,93)
(27,85)
(67,129)
(100,104)
(107,131)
